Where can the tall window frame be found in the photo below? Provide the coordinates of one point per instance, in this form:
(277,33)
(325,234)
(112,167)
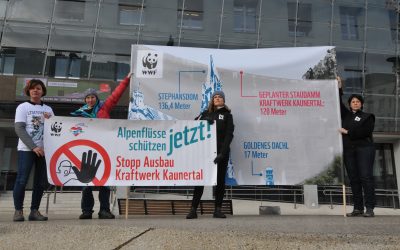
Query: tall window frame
(245,15)
(299,19)
(131,14)
(190,14)
(349,17)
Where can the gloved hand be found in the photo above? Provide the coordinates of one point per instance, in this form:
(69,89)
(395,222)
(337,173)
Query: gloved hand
(218,159)
(210,121)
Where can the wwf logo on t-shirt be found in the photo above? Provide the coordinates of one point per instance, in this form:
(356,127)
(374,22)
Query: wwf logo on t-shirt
(56,128)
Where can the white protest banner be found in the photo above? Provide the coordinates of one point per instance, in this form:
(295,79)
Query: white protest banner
(105,152)
(284,102)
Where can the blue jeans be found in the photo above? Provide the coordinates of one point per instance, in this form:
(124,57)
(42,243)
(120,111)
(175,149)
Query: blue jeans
(26,160)
(87,202)
(359,162)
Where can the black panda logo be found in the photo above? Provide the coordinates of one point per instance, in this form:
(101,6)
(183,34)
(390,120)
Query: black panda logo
(150,61)
(56,127)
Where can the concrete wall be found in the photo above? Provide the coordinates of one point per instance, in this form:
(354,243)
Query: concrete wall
(8,86)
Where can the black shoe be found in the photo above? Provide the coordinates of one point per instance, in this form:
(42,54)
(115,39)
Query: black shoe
(35,215)
(219,214)
(192,214)
(106,214)
(85,215)
(369,213)
(355,213)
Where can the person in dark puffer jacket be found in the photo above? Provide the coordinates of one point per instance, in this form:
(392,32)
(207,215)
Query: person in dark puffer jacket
(220,113)
(358,153)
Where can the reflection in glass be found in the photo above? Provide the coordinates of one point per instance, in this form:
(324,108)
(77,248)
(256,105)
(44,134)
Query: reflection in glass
(244,12)
(192,14)
(302,19)
(67,66)
(394,24)
(111,67)
(7,61)
(64,64)
(385,125)
(350,70)
(38,11)
(381,106)
(131,14)
(70,10)
(28,61)
(349,19)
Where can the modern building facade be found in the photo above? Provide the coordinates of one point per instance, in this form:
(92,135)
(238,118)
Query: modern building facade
(77,39)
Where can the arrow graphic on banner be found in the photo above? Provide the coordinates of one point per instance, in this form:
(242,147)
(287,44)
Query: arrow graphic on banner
(252,170)
(241,86)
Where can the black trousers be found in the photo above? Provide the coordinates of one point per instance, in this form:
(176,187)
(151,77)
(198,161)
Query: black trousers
(87,202)
(359,162)
(220,189)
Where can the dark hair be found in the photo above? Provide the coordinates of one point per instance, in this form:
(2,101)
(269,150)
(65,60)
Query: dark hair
(33,83)
(357,96)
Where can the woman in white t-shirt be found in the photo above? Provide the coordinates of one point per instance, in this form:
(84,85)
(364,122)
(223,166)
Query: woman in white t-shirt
(29,124)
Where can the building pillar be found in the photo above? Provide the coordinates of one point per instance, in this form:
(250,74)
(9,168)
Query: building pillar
(396,152)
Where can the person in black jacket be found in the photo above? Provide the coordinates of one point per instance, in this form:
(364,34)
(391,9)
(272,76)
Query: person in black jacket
(358,153)
(219,112)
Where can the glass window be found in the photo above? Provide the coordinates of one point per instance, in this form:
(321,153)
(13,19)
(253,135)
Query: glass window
(303,18)
(131,14)
(385,125)
(381,106)
(191,14)
(25,35)
(389,4)
(7,61)
(394,24)
(384,167)
(71,39)
(3,7)
(28,61)
(66,64)
(245,15)
(75,12)
(349,22)
(32,11)
(114,43)
(8,65)
(350,70)
(70,10)
(380,39)
(110,67)
(125,15)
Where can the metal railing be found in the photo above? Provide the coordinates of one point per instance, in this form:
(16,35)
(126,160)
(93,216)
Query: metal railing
(255,193)
(237,192)
(331,192)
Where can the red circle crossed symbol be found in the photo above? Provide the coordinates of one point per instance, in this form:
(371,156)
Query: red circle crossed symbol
(65,149)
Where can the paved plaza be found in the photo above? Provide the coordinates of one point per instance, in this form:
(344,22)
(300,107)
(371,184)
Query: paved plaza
(300,228)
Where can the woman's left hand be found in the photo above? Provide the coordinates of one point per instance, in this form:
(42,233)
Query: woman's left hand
(47,115)
(38,151)
(343,131)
